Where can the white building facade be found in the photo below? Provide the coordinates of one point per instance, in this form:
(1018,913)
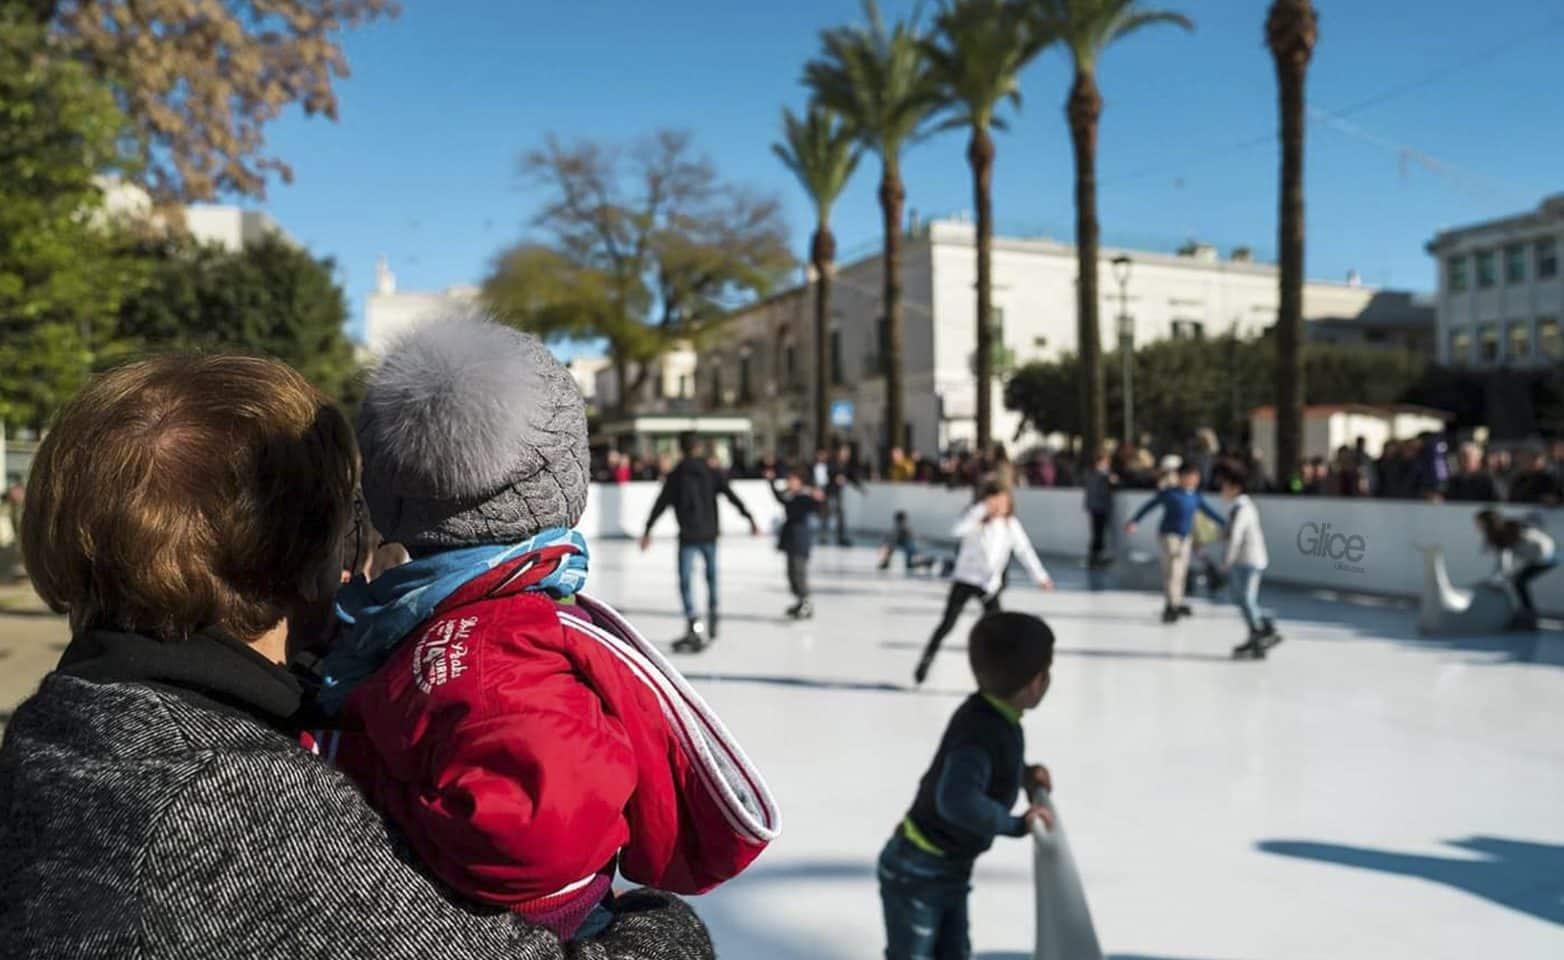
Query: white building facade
(232,228)
(389,312)
(1193,294)
(1501,290)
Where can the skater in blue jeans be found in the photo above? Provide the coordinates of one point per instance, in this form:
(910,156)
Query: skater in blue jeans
(691,489)
(965,798)
(1245,563)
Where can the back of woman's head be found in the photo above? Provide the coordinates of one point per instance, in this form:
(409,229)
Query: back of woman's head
(187,492)
(1499,531)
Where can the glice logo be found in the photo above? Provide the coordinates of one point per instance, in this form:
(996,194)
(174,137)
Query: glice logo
(1319,540)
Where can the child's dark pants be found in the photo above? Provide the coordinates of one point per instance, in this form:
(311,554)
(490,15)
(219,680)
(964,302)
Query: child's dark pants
(925,902)
(798,574)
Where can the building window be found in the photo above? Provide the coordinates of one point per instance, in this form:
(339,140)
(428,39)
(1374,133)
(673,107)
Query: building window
(716,388)
(790,365)
(1519,347)
(837,378)
(746,390)
(1515,263)
(1485,274)
(1547,251)
(1455,269)
(1550,343)
(1460,347)
(1189,330)
(1488,343)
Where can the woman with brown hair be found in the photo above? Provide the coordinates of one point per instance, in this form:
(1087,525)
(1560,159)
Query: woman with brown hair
(1525,553)
(185,513)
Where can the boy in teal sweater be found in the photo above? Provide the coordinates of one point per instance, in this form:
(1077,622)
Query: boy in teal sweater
(965,798)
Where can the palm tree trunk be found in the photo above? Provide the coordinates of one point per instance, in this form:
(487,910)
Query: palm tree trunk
(980,154)
(625,406)
(1291,31)
(892,194)
(1083,109)
(822,251)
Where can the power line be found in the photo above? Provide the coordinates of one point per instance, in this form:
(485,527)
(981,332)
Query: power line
(1389,93)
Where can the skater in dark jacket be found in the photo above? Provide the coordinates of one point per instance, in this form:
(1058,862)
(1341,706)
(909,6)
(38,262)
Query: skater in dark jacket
(691,489)
(965,797)
(800,506)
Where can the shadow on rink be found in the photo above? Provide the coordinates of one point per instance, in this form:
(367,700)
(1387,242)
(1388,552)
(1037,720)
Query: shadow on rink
(805,682)
(1519,874)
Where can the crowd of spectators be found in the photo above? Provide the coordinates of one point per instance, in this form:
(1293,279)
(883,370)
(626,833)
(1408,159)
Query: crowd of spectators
(1428,467)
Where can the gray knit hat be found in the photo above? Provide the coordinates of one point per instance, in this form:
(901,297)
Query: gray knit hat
(472,433)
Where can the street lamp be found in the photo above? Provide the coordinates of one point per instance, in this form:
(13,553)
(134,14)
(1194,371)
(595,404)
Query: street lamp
(1126,323)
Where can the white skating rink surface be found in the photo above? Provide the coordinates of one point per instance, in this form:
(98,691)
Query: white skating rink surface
(1362,793)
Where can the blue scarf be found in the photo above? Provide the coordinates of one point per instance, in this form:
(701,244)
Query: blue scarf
(378,615)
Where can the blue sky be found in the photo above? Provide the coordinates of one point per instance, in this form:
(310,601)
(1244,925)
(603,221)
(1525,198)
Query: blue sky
(441,102)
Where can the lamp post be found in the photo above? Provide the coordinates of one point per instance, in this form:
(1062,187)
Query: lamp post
(1126,323)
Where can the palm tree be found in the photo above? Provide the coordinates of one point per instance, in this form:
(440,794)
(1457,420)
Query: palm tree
(1087,28)
(878,80)
(977,52)
(1291,30)
(822,152)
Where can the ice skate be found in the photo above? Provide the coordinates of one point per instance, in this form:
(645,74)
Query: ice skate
(694,639)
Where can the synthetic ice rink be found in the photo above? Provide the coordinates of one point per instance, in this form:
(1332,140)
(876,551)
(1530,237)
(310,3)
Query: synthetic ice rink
(1363,793)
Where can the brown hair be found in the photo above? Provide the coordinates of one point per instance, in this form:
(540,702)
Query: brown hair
(1499,532)
(1007,649)
(187,492)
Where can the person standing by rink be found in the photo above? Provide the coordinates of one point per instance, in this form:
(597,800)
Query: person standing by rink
(844,474)
(1179,503)
(1525,553)
(1245,562)
(965,797)
(990,535)
(1099,483)
(800,507)
(691,489)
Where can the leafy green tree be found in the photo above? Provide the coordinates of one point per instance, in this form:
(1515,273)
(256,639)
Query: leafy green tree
(977,51)
(878,79)
(62,267)
(1087,28)
(1183,385)
(270,298)
(640,248)
(822,152)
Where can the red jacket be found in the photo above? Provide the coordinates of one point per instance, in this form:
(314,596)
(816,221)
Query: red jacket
(522,744)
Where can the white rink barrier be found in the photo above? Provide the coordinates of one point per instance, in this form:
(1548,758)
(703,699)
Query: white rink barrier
(1354,545)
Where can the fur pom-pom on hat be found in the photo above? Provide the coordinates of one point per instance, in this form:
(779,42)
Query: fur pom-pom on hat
(472,433)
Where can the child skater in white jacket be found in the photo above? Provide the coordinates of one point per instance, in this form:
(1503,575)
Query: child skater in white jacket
(990,534)
(1245,563)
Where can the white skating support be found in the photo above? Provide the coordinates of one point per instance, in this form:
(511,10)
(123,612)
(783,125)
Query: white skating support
(1444,608)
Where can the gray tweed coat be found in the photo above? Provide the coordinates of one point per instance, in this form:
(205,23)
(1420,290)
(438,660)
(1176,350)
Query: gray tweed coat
(137,822)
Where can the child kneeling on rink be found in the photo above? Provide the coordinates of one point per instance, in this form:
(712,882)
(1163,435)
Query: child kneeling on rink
(965,798)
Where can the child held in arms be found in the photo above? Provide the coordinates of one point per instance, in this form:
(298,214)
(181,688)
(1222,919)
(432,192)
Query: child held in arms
(524,736)
(965,798)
